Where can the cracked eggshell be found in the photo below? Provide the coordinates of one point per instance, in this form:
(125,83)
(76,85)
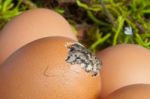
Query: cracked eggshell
(39,71)
(29,26)
(137,91)
(123,65)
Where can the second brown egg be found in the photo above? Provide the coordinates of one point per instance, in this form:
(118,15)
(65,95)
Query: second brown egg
(29,26)
(123,65)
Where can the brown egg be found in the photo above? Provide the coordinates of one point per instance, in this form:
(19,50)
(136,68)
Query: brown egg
(39,71)
(29,26)
(139,91)
(124,65)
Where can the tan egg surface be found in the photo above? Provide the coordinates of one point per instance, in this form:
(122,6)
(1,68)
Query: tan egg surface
(139,91)
(123,65)
(39,71)
(29,26)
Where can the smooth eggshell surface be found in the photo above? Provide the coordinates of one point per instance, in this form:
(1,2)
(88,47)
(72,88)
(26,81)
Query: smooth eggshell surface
(29,26)
(123,65)
(39,71)
(139,91)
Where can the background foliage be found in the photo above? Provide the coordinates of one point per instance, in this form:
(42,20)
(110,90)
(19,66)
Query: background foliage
(99,23)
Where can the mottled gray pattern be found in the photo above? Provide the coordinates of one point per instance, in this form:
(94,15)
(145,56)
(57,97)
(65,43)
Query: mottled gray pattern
(78,54)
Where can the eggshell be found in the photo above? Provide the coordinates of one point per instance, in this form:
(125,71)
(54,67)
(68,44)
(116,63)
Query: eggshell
(140,91)
(39,71)
(123,65)
(29,26)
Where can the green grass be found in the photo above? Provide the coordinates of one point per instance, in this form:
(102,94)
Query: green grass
(103,22)
(10,9)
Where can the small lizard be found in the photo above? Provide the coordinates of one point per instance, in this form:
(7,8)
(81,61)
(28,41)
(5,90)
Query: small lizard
(78,54)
